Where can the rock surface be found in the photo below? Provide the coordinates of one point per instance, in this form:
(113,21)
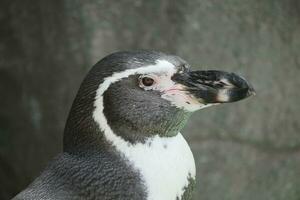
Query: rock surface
(248,150)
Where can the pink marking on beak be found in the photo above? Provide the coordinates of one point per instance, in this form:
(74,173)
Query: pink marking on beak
(174,89)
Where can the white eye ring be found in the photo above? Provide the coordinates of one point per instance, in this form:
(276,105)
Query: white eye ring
(146,82)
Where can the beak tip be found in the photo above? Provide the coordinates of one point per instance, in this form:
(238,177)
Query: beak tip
(251,91)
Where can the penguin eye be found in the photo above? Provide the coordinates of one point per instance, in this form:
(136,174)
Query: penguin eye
(146,81)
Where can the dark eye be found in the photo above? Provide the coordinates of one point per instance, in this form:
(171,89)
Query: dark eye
(147,81)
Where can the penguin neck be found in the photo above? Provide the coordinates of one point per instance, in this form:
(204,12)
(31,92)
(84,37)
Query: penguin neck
(136,121)
(139,131)
(83,133)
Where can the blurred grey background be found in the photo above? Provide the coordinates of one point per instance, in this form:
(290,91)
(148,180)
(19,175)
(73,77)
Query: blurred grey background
(247,150)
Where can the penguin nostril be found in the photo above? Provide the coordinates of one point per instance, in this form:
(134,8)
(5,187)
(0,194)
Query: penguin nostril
(220,85)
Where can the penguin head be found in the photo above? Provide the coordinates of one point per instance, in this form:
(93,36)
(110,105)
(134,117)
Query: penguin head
(140,94)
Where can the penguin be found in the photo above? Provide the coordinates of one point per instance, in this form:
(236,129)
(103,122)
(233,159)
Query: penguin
(122,138)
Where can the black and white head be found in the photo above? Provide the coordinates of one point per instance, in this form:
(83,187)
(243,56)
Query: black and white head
(141,94)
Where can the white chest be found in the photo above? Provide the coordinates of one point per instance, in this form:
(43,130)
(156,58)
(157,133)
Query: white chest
(165,165)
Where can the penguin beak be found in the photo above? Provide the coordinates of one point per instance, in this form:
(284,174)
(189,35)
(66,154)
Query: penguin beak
(213,87)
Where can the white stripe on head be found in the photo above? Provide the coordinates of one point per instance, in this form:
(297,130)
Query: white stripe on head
(167,163)
(98,115)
